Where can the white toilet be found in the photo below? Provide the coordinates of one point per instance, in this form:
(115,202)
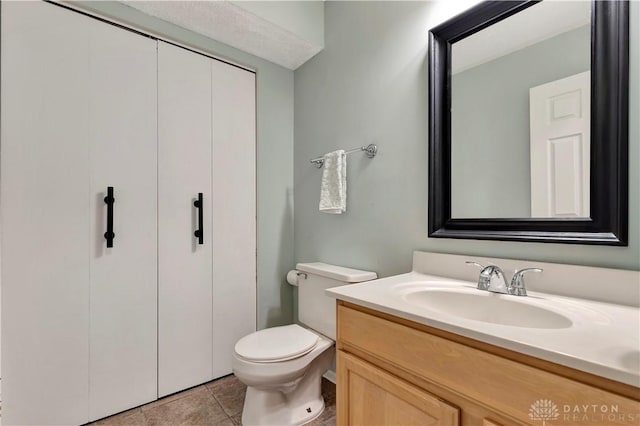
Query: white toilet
(283,366)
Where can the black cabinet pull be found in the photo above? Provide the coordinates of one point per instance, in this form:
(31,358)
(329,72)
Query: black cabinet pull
(199,234)
(109,200)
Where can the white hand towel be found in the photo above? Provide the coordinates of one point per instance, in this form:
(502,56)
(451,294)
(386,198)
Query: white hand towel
(333,190)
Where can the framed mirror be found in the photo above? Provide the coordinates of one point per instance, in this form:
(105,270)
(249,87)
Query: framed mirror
(528,123)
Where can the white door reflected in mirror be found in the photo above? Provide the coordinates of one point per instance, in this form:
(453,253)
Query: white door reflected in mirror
(560,114)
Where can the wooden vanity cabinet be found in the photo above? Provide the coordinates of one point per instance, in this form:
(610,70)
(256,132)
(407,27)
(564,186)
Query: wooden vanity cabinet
(392,371)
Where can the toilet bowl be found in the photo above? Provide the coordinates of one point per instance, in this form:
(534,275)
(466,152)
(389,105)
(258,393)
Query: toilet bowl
(284,389)
(283,366)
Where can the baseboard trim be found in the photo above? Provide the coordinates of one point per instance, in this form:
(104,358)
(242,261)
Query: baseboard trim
(330,375)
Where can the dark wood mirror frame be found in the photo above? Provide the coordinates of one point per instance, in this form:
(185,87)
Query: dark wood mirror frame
(609,133)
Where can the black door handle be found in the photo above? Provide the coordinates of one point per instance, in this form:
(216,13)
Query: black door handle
(199,234)
(109,200)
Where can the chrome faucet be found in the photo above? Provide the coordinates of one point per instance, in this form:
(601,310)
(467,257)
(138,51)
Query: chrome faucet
(492,279)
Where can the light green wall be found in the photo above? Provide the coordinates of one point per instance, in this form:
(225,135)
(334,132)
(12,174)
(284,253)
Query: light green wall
(490,123)
(369,84)
(274,157)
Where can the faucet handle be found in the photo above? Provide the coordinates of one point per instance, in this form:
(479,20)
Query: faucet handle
(484,278)
(517,282)
(470,262)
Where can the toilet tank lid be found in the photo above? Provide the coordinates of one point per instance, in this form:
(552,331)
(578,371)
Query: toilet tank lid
(340,273)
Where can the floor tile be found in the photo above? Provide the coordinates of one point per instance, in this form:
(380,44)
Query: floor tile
(226,422)
(173,397)
(229,392)
(237,419)
(128,418)
(197,408)
(217,403)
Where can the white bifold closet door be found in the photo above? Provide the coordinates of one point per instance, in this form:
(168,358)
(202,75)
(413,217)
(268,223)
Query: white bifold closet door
(184,170)
(123,293)
(206,144)
(234,210)
(79,321)
(45,215)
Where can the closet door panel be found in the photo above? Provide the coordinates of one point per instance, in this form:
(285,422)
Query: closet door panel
(184,170)
(234,210)
(45,215)
(123,154)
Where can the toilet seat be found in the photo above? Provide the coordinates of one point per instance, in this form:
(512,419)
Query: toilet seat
(276,344)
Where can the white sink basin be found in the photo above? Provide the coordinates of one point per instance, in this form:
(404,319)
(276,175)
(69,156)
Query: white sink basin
(478,305)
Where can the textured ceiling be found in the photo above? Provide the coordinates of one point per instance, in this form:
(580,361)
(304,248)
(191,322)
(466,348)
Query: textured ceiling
(230,24)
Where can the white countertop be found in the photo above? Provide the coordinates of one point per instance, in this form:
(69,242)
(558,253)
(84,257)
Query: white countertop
(603,338)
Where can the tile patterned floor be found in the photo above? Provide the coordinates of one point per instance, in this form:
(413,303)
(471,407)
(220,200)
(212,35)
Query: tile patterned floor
(217,403)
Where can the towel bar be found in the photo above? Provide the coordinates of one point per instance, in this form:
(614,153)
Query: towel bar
(370,150)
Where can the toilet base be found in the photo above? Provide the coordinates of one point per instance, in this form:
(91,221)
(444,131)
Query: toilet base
(293,408)
(274,408)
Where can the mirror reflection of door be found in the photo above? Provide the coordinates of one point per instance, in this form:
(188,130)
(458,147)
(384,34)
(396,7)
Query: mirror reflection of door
(560,144)
(513,156)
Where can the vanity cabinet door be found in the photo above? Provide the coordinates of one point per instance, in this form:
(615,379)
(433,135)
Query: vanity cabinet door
(368,395)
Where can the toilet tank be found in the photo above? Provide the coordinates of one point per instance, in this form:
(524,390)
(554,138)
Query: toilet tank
(316,310)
